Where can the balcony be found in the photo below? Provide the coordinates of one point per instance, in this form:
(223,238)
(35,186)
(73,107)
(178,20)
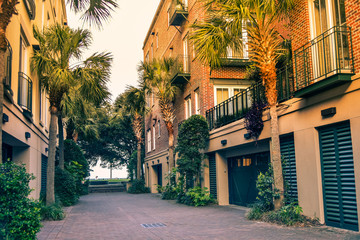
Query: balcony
(25,94)
(324,62)
(7,79)
(236,107)
(178,12)
(30,8)
(235,61)
(181,73)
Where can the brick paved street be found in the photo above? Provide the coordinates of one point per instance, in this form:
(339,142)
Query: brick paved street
(120,215)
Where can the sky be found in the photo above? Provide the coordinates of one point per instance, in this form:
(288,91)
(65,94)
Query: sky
(123,36)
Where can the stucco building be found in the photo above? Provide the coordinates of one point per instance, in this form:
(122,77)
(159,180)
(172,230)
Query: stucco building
(26,108)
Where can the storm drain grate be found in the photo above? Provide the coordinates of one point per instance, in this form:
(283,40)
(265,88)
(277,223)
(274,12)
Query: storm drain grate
(153,225)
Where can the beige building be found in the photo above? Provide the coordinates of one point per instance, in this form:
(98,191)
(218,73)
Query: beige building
(26,114)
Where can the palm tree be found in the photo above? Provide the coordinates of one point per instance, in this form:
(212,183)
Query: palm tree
(59,44)
(94,12)
(135,104)
(223,28)
(157,76)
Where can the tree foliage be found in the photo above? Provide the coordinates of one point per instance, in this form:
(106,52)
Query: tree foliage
(192,139)
(19,215)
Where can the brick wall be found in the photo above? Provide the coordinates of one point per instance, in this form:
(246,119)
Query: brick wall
(352,10)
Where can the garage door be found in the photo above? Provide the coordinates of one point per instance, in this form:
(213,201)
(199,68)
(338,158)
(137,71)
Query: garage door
(338,176)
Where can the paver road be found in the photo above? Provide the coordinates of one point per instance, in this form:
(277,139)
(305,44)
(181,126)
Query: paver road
(118,216)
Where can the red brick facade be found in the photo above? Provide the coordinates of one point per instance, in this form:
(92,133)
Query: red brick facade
(170,44)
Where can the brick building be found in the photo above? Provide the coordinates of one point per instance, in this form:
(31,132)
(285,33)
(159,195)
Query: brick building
(201,89)
(26,108)
(319,118)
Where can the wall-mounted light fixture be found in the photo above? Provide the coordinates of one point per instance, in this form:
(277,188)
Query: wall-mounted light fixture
(247,136)
(152,162)
(46,149)
(223,142)
(27,135)
(329,112)
(158,160)
(5,118)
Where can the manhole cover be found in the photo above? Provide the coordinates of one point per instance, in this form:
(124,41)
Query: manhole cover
(153,225)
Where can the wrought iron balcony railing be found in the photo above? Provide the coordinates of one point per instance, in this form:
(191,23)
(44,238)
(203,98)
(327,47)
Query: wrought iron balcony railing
(178,12)
(182,69)
(25,92)
(324,57)
(236,107)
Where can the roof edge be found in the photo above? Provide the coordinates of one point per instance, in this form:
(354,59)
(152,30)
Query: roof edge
(153,21)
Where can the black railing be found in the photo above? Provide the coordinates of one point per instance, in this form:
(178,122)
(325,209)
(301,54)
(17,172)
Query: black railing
(30,8)
(8,61)
(25,92)
(178,12)
(328,54)
(236,107)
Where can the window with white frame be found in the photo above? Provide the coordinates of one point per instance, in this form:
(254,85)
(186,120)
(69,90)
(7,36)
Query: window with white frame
(147,58)
(153,136)
(243,51)
(148,137)
(152,51)
(186,66)
(223,93)
(157,40)
(159,128)
(187,107)
(197,101)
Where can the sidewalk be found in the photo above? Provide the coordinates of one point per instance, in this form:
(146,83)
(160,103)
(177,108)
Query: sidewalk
(114,216)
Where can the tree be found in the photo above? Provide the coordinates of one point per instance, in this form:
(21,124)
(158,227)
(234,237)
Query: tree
(223,28)
(193,137)
(157,77)
(135,104)
(59,44)
(94,12)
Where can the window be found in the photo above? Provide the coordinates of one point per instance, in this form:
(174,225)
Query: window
(243,52)
(148,137)
(152,51)
(197,102)
(186,66)
(25,83)
(168,16)
(187,107)
(223,93)
(8,61)
(153,136)
(159,128)
(157,40)
(44,106)
(147,57)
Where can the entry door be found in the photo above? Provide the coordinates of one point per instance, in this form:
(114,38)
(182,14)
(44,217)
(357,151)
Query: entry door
(338,176)
(243,172)
(158,169)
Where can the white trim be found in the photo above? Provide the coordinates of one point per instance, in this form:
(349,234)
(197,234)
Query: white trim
(231,90)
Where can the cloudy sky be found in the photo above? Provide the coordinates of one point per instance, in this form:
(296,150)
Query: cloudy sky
(123,36)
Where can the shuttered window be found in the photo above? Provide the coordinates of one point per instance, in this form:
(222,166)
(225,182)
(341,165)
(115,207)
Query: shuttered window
(287,148)
(338,176)
(212,175)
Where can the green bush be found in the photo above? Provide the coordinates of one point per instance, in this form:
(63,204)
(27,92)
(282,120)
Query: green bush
(52,212)
(287,215)
(266,194)
(172,189)
(256,212)
(19,215)
(196,196)
(65,187)
(138,186)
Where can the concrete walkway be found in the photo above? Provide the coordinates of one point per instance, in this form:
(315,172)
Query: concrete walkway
(115,216)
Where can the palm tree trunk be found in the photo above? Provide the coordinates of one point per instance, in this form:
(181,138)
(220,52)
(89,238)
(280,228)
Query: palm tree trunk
(138,165)
(276,157)
(50,188)
(61,141)
(171,148)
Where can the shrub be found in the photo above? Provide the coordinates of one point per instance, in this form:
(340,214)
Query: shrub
(266,194)
(256,212)
(138,186)
(192,138)
(19,215)
(172,189)
(52,212)
(65,187)
(253,119)
(287,215)
(196,196)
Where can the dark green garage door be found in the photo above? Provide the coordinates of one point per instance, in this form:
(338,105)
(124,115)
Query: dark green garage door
(338,176)
(243,172)
(287,147)
(212,175)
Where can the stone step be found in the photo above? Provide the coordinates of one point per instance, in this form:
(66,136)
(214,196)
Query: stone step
(106,188)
